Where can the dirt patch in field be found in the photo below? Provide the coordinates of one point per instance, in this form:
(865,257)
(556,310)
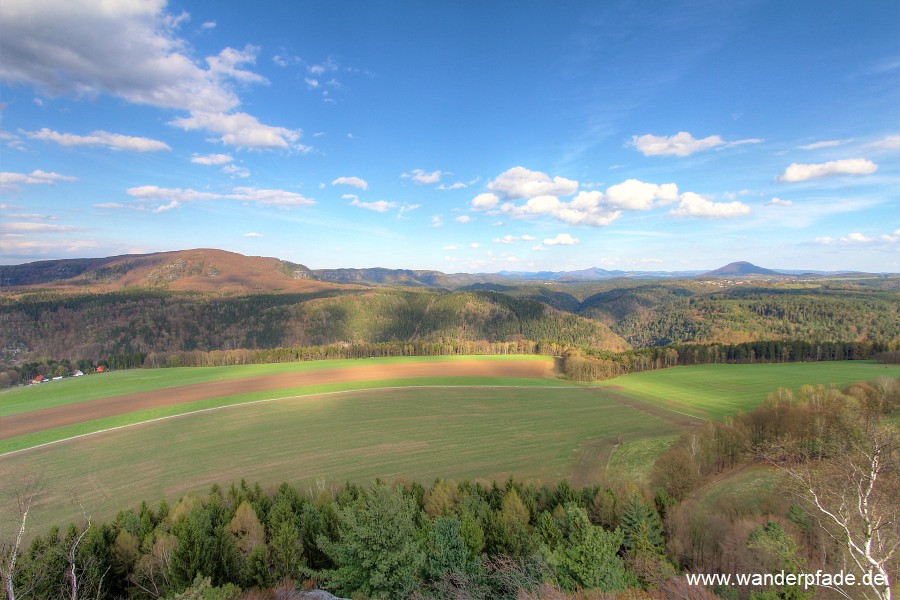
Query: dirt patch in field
(40,420)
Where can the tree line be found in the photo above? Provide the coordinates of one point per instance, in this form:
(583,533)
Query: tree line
(578,363)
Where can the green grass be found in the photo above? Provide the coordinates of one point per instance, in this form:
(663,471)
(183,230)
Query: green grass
(99,425)
(747,489)
(417,434)
(717,391)
(547,430)
(633,460)
(73,390)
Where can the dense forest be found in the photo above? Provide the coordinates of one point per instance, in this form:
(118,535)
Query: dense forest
(519,539)
(45,332)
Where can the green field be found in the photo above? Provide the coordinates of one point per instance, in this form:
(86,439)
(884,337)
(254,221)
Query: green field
(545,430)
(717,391)
(81,389)
(416,434)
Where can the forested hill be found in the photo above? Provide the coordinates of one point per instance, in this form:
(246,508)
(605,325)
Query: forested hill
(96,326)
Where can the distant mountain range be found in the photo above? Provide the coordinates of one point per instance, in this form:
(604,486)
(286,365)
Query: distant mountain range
(218,270)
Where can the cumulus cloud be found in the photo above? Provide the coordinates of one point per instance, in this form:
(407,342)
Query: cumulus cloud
(352,181)
(695,205)
(681,144)
(155,196)
(851,166)
(779,202)
(115,141)
(437,221)
(593,208)
(377,206)
(422,177)
(212,159)
(485,201)
(132,51)
(586,208)
(519,182)
(238,129)
(11,181)
(252,234)
(449,248)
(638,195)
(563,239)
(463,219)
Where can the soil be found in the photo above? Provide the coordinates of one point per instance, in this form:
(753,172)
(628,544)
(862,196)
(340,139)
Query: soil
(49,418)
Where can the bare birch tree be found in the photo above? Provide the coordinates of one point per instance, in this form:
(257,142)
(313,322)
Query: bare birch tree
(24,496)
(853,496)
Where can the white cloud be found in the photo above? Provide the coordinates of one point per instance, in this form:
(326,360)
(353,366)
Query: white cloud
(851,166)
(177,196)
(449,248)
(891,142)
(824,144)
(437,221)
(378,206)
(134,51)
(252,234)
(779,202)
(115,141)
(239,129)
(463,219)
(512,239)
(212,159)
(519,182)
(226,63)
(11,181)
(35,228)
(405,208)
(280,198)
(311,83)
(459,185)
(681,144)
(349,197)
(352,181)
(30,247)
(586,208)
(422,177)
(208,25)
(563,239)
(474,245)
(638,195)
(130,50)
(236,171)
(485,201)
(860,239)
(695,205)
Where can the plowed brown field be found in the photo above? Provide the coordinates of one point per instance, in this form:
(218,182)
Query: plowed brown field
(50,418)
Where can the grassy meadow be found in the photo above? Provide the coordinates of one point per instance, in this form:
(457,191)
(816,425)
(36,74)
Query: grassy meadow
(717,391)
(532,429)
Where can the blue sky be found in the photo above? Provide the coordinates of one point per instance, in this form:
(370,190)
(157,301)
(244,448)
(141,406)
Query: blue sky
(457,136)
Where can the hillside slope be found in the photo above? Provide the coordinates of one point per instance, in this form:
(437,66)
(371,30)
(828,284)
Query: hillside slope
(203,270)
